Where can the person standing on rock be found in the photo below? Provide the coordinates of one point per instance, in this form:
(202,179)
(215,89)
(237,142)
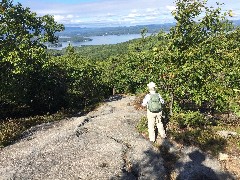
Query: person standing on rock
(154,102)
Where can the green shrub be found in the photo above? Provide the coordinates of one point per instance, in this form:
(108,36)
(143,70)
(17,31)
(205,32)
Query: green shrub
(142,126)
(205,139)
(9,131)
(189,119)
(234,104)
(12,129)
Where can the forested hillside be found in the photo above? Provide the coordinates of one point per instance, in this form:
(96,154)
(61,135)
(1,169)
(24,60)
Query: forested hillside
(103,31)
(196,66)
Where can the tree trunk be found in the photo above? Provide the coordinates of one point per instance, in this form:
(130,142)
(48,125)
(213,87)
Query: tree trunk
(113,91)
(171,104)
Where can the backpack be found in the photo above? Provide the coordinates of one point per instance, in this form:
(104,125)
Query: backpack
(154,104)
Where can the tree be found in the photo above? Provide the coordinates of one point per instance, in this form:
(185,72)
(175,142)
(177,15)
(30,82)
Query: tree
(23,34)
(22,49)
(195,62)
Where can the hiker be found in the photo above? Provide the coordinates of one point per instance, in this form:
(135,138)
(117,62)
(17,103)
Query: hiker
(154,102)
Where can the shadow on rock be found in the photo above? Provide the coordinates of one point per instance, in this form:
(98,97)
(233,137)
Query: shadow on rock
(149,167)
(114,98)
(196,170)
(169,155)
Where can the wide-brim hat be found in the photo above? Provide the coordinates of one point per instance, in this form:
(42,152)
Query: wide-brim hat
(151,85)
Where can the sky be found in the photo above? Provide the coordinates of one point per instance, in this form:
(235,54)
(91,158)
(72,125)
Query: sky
(85,13)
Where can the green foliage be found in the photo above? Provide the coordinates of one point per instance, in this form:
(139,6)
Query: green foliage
(129,72)
(11,130)
(74,39)
(206,139)
(195,65)
(234,103)
(190,119)
(21,40)
(84,83)
(199,57)
(8,132)
(142,126)
(102,52)
(25,78)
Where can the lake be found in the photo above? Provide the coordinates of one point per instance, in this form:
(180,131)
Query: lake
(101,40)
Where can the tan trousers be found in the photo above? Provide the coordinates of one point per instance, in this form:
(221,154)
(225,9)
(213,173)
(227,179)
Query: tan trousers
(155,118)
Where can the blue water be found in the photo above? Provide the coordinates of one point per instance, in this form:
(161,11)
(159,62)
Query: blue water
(101,40)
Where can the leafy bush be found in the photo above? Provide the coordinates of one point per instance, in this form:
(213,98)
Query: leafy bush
(235,103)
(142,126)
(189,119)
(11,130)
(206,139)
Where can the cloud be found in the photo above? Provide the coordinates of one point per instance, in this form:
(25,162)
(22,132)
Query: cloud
(59,17)
(171,8)
(114,11)
(105,12)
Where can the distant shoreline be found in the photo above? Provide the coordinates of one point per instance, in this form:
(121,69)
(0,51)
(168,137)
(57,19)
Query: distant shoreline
(100,40)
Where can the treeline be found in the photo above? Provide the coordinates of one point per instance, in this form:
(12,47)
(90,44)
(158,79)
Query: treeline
(74,39)
(103,31)
(96,52)
(195,65)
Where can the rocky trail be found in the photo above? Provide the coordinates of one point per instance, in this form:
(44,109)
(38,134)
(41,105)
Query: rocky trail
(103,144)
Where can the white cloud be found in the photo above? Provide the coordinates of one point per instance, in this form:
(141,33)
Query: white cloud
(114,11)
(171,8)
(70,16)
(59,17)
(110,15)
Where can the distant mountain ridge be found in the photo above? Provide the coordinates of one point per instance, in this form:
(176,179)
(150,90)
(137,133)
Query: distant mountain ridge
(236,22)
(104,31)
